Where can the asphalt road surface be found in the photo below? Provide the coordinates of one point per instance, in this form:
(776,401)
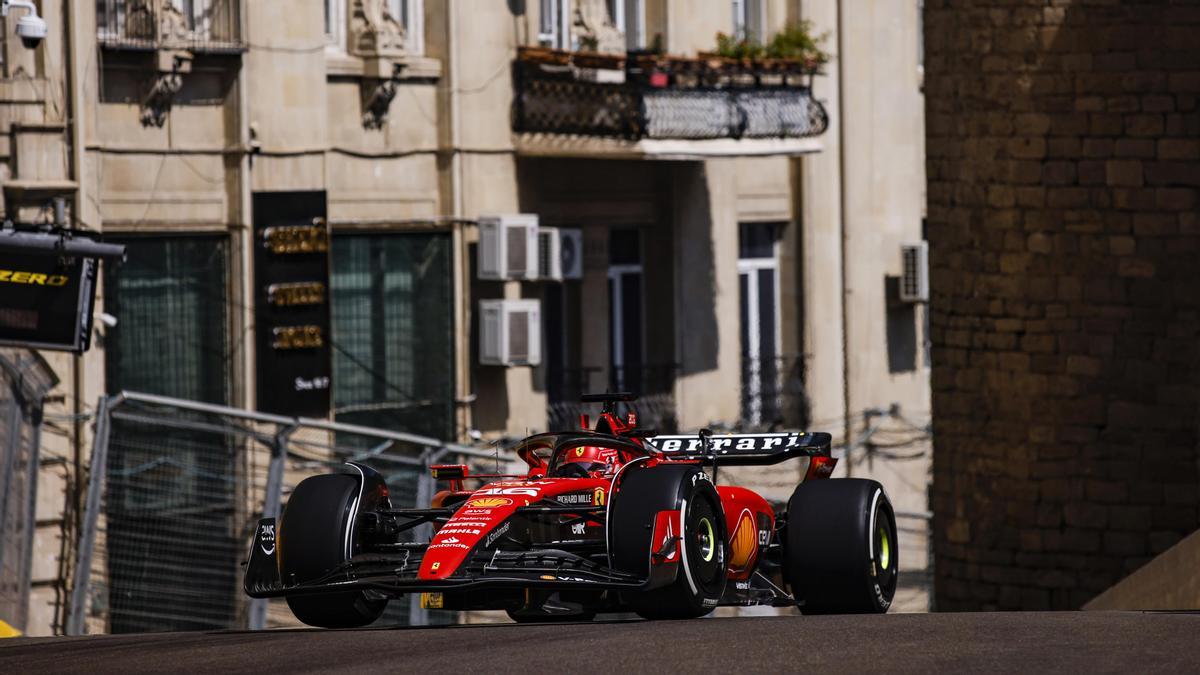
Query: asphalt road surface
(1076,642)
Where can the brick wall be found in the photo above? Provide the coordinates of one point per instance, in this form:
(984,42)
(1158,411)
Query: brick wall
(1064,168)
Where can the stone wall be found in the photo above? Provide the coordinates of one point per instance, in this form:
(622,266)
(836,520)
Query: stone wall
(1064,166)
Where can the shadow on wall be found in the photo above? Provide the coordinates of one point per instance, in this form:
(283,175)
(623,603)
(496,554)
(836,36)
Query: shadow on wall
(1062,156)
(489,412)
(700,340)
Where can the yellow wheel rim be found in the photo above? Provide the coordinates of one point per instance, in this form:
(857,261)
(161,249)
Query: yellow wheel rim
(707,540)
(885,549)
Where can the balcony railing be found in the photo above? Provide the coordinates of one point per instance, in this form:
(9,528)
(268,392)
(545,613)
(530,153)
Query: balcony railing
(634,99)
(192,25)
(773,394)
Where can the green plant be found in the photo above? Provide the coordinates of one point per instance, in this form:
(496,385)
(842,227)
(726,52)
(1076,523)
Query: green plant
(589,43)
(732,47)
(797,42)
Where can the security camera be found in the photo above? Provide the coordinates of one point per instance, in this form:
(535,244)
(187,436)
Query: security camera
(31,28)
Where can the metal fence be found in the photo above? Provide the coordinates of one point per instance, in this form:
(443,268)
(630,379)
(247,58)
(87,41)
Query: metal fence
(195,25)
(556,103)
(24,381)
(175,490)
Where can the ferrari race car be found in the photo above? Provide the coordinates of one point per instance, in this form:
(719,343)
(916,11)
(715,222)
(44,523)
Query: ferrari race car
(611,519)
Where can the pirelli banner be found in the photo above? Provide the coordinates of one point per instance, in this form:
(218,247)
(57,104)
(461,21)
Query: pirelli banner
(48,288)
(291,276)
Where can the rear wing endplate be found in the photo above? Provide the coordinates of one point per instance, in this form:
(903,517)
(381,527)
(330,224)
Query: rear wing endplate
(745,449)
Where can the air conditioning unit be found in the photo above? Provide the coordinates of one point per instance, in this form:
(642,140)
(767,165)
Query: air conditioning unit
(570,250)
(560,254)
(510,332)
(549,254)
(914,277)
(508,247)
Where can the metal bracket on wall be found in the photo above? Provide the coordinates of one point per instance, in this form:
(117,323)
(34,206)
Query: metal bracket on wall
(165,85)
(377,98)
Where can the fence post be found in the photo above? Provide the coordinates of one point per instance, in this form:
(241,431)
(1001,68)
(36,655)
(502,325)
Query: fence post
(418,616)
(272,497)
(83,561)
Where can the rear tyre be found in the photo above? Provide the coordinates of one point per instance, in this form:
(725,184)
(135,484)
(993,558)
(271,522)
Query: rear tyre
(841,549)
(313,541)
(703,566)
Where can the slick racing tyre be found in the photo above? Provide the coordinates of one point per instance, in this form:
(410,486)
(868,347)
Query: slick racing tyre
(312,542)
(703,567)
(841,554)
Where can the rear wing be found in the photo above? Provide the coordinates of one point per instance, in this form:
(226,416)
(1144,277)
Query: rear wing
(745,449)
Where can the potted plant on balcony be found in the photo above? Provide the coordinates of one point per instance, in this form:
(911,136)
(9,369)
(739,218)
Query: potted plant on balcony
(799,49)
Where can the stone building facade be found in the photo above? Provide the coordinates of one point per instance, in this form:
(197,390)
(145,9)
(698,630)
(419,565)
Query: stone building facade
(182,129)
(1064,169)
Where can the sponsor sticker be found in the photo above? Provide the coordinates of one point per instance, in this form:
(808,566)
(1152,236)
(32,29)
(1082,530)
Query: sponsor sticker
(578,528)
(496,534)
(576,498)
(266,539)
(488,502)
(432,600)
(742,585)
(598,496)
(459,530)
(524,491)
(738,442)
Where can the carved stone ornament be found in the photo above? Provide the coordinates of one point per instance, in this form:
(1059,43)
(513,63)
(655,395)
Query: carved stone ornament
(596,29)
(374,31)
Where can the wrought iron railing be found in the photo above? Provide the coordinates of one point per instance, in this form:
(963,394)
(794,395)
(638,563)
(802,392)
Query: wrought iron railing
(654,385)
(773,394)
(555,99)
(193,25)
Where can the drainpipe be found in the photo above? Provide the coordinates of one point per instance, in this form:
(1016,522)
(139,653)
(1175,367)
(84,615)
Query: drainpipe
(462,409)
(848,427)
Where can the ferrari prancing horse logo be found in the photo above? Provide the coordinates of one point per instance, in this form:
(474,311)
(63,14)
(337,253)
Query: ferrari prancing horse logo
(579,452)
(598,497)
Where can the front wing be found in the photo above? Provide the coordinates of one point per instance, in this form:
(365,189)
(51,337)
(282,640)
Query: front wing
(397,572)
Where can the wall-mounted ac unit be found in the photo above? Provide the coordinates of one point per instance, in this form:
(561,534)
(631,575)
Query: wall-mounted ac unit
(570,249)
(914,277)
(560,254)
(549,254)
(510,332)
(508,247)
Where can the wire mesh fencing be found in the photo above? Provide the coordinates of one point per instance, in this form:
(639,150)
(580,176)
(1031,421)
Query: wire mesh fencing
(175,490)
(24,381)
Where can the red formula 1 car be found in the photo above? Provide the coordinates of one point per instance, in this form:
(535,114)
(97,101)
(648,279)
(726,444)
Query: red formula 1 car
(611,519)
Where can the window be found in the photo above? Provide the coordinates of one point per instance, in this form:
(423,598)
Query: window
(191,21)
(758,277)
(625,310)
(554,24)
(630,17)
(171,297)
(393,332)
(410,14)
(750,19)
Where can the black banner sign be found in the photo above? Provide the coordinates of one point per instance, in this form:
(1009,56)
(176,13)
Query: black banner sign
(291,263)
(46,301)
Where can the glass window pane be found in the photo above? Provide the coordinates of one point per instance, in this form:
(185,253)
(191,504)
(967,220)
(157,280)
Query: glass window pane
(392,326)
(170,298)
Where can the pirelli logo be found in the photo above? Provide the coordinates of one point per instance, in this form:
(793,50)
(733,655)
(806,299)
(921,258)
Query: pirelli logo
(32,278)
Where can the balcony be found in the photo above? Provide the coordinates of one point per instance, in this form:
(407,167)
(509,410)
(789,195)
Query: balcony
(650,106)
(199,26)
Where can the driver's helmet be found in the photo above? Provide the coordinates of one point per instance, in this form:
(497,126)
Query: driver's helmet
(585,461)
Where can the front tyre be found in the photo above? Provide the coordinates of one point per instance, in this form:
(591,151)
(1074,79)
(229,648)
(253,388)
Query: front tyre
(703,565)
(841,551)
(313,542)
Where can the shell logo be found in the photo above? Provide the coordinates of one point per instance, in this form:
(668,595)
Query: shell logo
(488,502)
(745,542)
